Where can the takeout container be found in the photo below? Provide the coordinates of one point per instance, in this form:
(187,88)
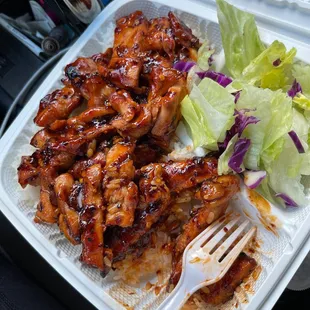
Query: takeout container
(282,233)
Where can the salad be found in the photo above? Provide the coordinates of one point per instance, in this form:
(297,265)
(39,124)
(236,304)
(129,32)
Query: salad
(255,112)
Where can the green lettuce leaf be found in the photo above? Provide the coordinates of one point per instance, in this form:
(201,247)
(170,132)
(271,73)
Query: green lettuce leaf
(222,167)
(240,37)
(271,69)
(270,154)
(285,172)
(274,110)
(281,118)
(208,111)
(301,73)
(204,54)
(196,123)
(302,102)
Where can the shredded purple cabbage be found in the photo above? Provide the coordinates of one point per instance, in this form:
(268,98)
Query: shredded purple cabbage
(253,178)
(287,200)
(210,60)
(184,66)
(237,95)
(241,122)
(295,89)
(296,141)
(240,149)
(218,77)
(277,62)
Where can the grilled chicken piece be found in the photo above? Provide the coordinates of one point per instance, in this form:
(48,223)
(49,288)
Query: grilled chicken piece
(96,91)
(188,173)
(145,154)
(223,290)
(69,218)
(29,170)
(137,127)
(42,137)
(169,115)
(151,59)
(73,134)
(74,140)
(161,79)
(122,103)
(57,105)
(81,165)
(160,37)
(133,120)
(41,168)
(103,59)
(125,72)
(155,199)
(89,115)
(122,202)
(182,34)
(215,195)
(92,219)
(120,193)
(80,70)
(155,195)
(84,75)
(187,54)
(47,209)
(129,35)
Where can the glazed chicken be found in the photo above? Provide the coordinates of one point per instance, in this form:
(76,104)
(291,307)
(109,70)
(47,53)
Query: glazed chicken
(68,220)
(100,158)
(223,290)
(57,105)
(120,192)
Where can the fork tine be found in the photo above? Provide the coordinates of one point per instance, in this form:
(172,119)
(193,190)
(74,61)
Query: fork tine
(219,236)
(229,241)
(232,255)
(208,232)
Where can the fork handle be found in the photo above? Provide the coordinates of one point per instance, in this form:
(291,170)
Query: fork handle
(179,295)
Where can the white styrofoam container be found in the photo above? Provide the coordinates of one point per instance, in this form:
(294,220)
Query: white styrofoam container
(277,251)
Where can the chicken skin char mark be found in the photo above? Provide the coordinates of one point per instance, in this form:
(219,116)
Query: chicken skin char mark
(100,158)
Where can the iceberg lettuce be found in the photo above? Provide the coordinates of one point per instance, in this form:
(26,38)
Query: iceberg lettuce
(285,170)
(209,113)
(271,69)
(240,37)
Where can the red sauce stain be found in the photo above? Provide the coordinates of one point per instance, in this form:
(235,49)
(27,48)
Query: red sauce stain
(157,290)
(256,273)
(263,207)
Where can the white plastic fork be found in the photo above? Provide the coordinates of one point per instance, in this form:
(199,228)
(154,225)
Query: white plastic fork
(200,267)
